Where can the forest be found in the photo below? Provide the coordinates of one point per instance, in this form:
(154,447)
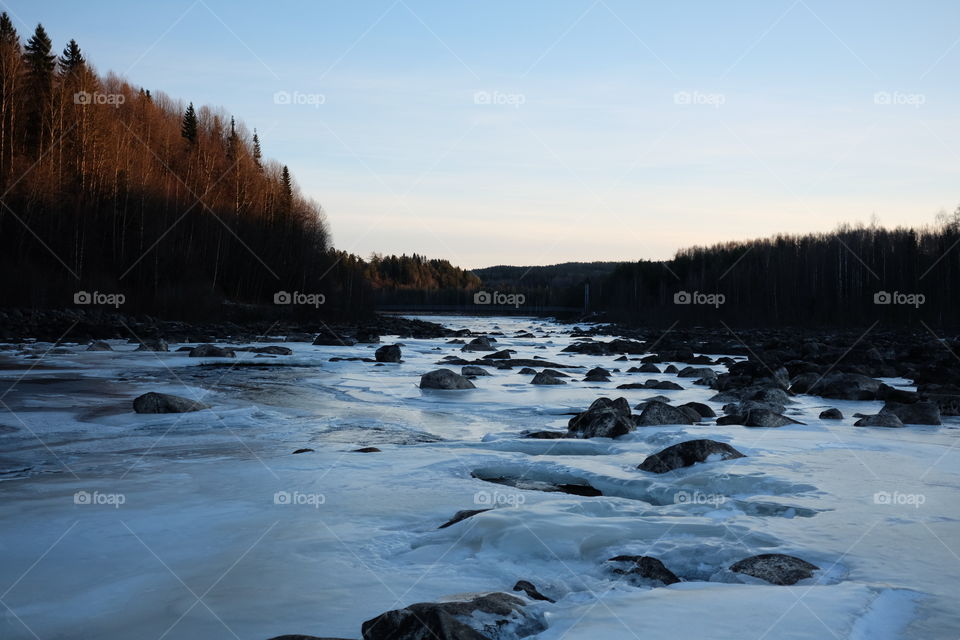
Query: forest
(111,188)
(852,276)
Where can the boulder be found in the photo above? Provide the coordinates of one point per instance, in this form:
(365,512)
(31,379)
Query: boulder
(455,620)
(657,413)
(211,351)
(597,374)
(546,378)
(879,420)
(545,435)
(531,591)
(329,338)
(605,418)
(697,372)
(846,386)
(766,418)
(460,516)
(775,568)
(499,355)
(388,353)
(368,336)
(703,410)
(153,344)
(473,370)
(646,567)
(685,454)
(648,368)
(99,345)
(165,403)
(916,413)
(482,343)
(366,450)
(444,379)
(831,414)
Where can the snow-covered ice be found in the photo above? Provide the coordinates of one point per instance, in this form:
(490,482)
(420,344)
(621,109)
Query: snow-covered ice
(203,525)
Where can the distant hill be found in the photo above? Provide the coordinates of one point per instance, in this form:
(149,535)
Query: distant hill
(556,276)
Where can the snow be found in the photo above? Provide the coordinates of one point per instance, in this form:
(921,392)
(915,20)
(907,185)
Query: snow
(204,525)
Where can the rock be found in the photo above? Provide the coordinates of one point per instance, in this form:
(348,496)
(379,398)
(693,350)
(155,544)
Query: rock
(444,379)
(580,490)
(846,386)
(302,637)
(367,450)
(645,567)
(388,353)
(531,591)
(879,420)
(685,454)
(648,368)
(153,344)
(482,343)
(697,372)
(775,568)
(270,350)
(460,516)
(99,345)
(368,336)
(499,355)
(328,338)
(546,378)
(303,451)
(211,351)
(545,435)
(455,620)
(703,410)
(632,385)
(658,413)
(671,369)
(597,374)
(916,413)
(664,385)
(165,403)
(471,370)
(604,418)
(766,418)
(528,371)
(831,414)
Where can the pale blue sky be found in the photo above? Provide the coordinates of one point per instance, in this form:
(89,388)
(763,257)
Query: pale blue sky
(541,132)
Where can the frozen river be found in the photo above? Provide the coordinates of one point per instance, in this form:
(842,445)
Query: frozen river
(203,525)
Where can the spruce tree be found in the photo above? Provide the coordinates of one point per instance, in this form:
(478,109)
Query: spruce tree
(189,127)
(40,62)
(39,57)
(287,186)
(8,33)
(257,154)
(72,59)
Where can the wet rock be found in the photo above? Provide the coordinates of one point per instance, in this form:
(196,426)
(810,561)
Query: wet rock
(545,435)
(269,350)
(482,343)
(648,368)
(697,372)
(211,351)
(663,385)
(388,353)
(165,403)
(605,418)
(831,414)
(703,410)
(597,374)
(99,345)
(303,451)
(685,454)
(646,567)
(766,418)
(657,413)
(846,386)
(367,450)
(460,516)
(368,335)
(455,620)
(329,338)
(879,420)
(547,378)
(531,591)
(444,379)
(153,344)
(473,370)
(499,355)
(916,413)
(528,371)
(775,568)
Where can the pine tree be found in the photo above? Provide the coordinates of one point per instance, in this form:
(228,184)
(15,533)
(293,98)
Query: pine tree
(257,154)
(189,127)
(40,62)
(72,59)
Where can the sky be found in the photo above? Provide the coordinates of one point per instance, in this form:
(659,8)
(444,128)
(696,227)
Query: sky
(547,131)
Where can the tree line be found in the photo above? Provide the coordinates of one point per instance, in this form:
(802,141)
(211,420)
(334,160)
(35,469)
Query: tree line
(853,276)
(113,188)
